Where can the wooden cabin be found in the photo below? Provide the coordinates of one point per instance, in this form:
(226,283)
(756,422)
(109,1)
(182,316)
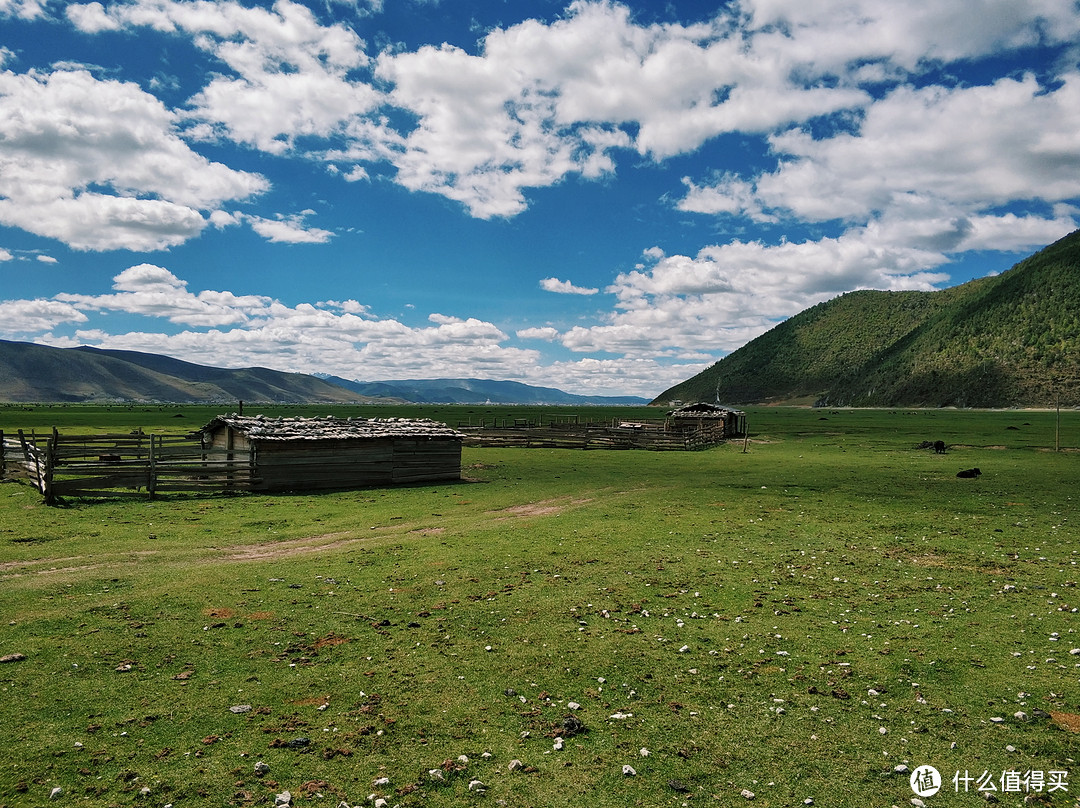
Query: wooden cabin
(701,415)
(299,454)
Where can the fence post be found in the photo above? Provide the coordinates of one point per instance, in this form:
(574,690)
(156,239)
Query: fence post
(3,458)
(151,481)
(50,461)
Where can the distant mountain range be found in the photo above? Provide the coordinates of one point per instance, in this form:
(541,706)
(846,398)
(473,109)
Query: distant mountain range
(39,373)
(1003,341)
(474,391)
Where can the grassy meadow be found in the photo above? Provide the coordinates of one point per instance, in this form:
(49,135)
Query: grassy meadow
(794,621)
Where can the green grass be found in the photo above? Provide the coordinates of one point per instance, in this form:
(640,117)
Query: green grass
(829,560)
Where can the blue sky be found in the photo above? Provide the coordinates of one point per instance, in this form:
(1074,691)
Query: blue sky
(598,196)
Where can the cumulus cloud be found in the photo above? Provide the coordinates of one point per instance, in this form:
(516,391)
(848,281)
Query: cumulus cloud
(98,165)
(729,294)
(19,318)
(289,229)
(544,332)
(565,287)
(288,75)
(22,9)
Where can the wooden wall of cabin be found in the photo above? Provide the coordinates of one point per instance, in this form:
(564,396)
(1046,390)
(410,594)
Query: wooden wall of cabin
(329,464)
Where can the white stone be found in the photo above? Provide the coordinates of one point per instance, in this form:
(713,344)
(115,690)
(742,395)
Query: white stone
(746,794)
(644,752)
(476,785)
(573,705)
(628,771)
(515,764)
(56,793)
(284,798)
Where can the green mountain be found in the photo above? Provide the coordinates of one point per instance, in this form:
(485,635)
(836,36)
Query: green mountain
(35,373)
(1008,340)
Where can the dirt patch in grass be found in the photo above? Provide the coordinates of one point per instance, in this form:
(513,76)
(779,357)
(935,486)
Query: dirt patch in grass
(545,507)
(1067,721)
(222,613)
(290,547)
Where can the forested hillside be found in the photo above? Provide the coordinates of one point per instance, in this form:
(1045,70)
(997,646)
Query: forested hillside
(1007,340)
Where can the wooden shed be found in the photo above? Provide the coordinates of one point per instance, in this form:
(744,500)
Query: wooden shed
(297,454)
(697,416)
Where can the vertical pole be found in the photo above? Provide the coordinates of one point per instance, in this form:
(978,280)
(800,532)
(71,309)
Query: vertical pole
(46,477)
(3,463)
(230,445)
(151,481)
(1057,422)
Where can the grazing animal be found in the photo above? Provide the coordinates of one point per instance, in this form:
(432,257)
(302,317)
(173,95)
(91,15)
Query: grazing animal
(939,447)
(968,474)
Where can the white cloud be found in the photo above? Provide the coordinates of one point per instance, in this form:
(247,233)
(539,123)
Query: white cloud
(728,294)
(32,317)
(154,291)
(23,9)
(288,229)
(290,76)
(46,259)
(961,146)
(926,169)
(565,287)
(545,332)
(5,255)
(834,34)
(67,138)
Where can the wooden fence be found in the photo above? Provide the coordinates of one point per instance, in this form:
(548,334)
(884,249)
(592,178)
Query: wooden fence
(655,436)
(121,465)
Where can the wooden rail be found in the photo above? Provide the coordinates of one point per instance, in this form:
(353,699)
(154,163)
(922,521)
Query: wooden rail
(624,436)
(121,465)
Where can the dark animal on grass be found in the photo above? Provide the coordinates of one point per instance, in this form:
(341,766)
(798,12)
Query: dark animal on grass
(968,474)
(939,447)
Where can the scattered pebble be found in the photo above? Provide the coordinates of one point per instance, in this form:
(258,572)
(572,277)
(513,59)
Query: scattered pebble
(56,793)
(573,705)
(261,769)
(515,764)
(901,768)
(21,657)
(558,745)
(644,752)
(240,708)
(477,786)
(628,771)
(283,799)
(747,794)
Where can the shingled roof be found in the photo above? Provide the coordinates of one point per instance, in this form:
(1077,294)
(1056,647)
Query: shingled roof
(700,410)
(259,427)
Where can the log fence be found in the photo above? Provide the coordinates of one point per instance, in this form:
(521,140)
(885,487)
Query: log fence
(651,435)
(131,465)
